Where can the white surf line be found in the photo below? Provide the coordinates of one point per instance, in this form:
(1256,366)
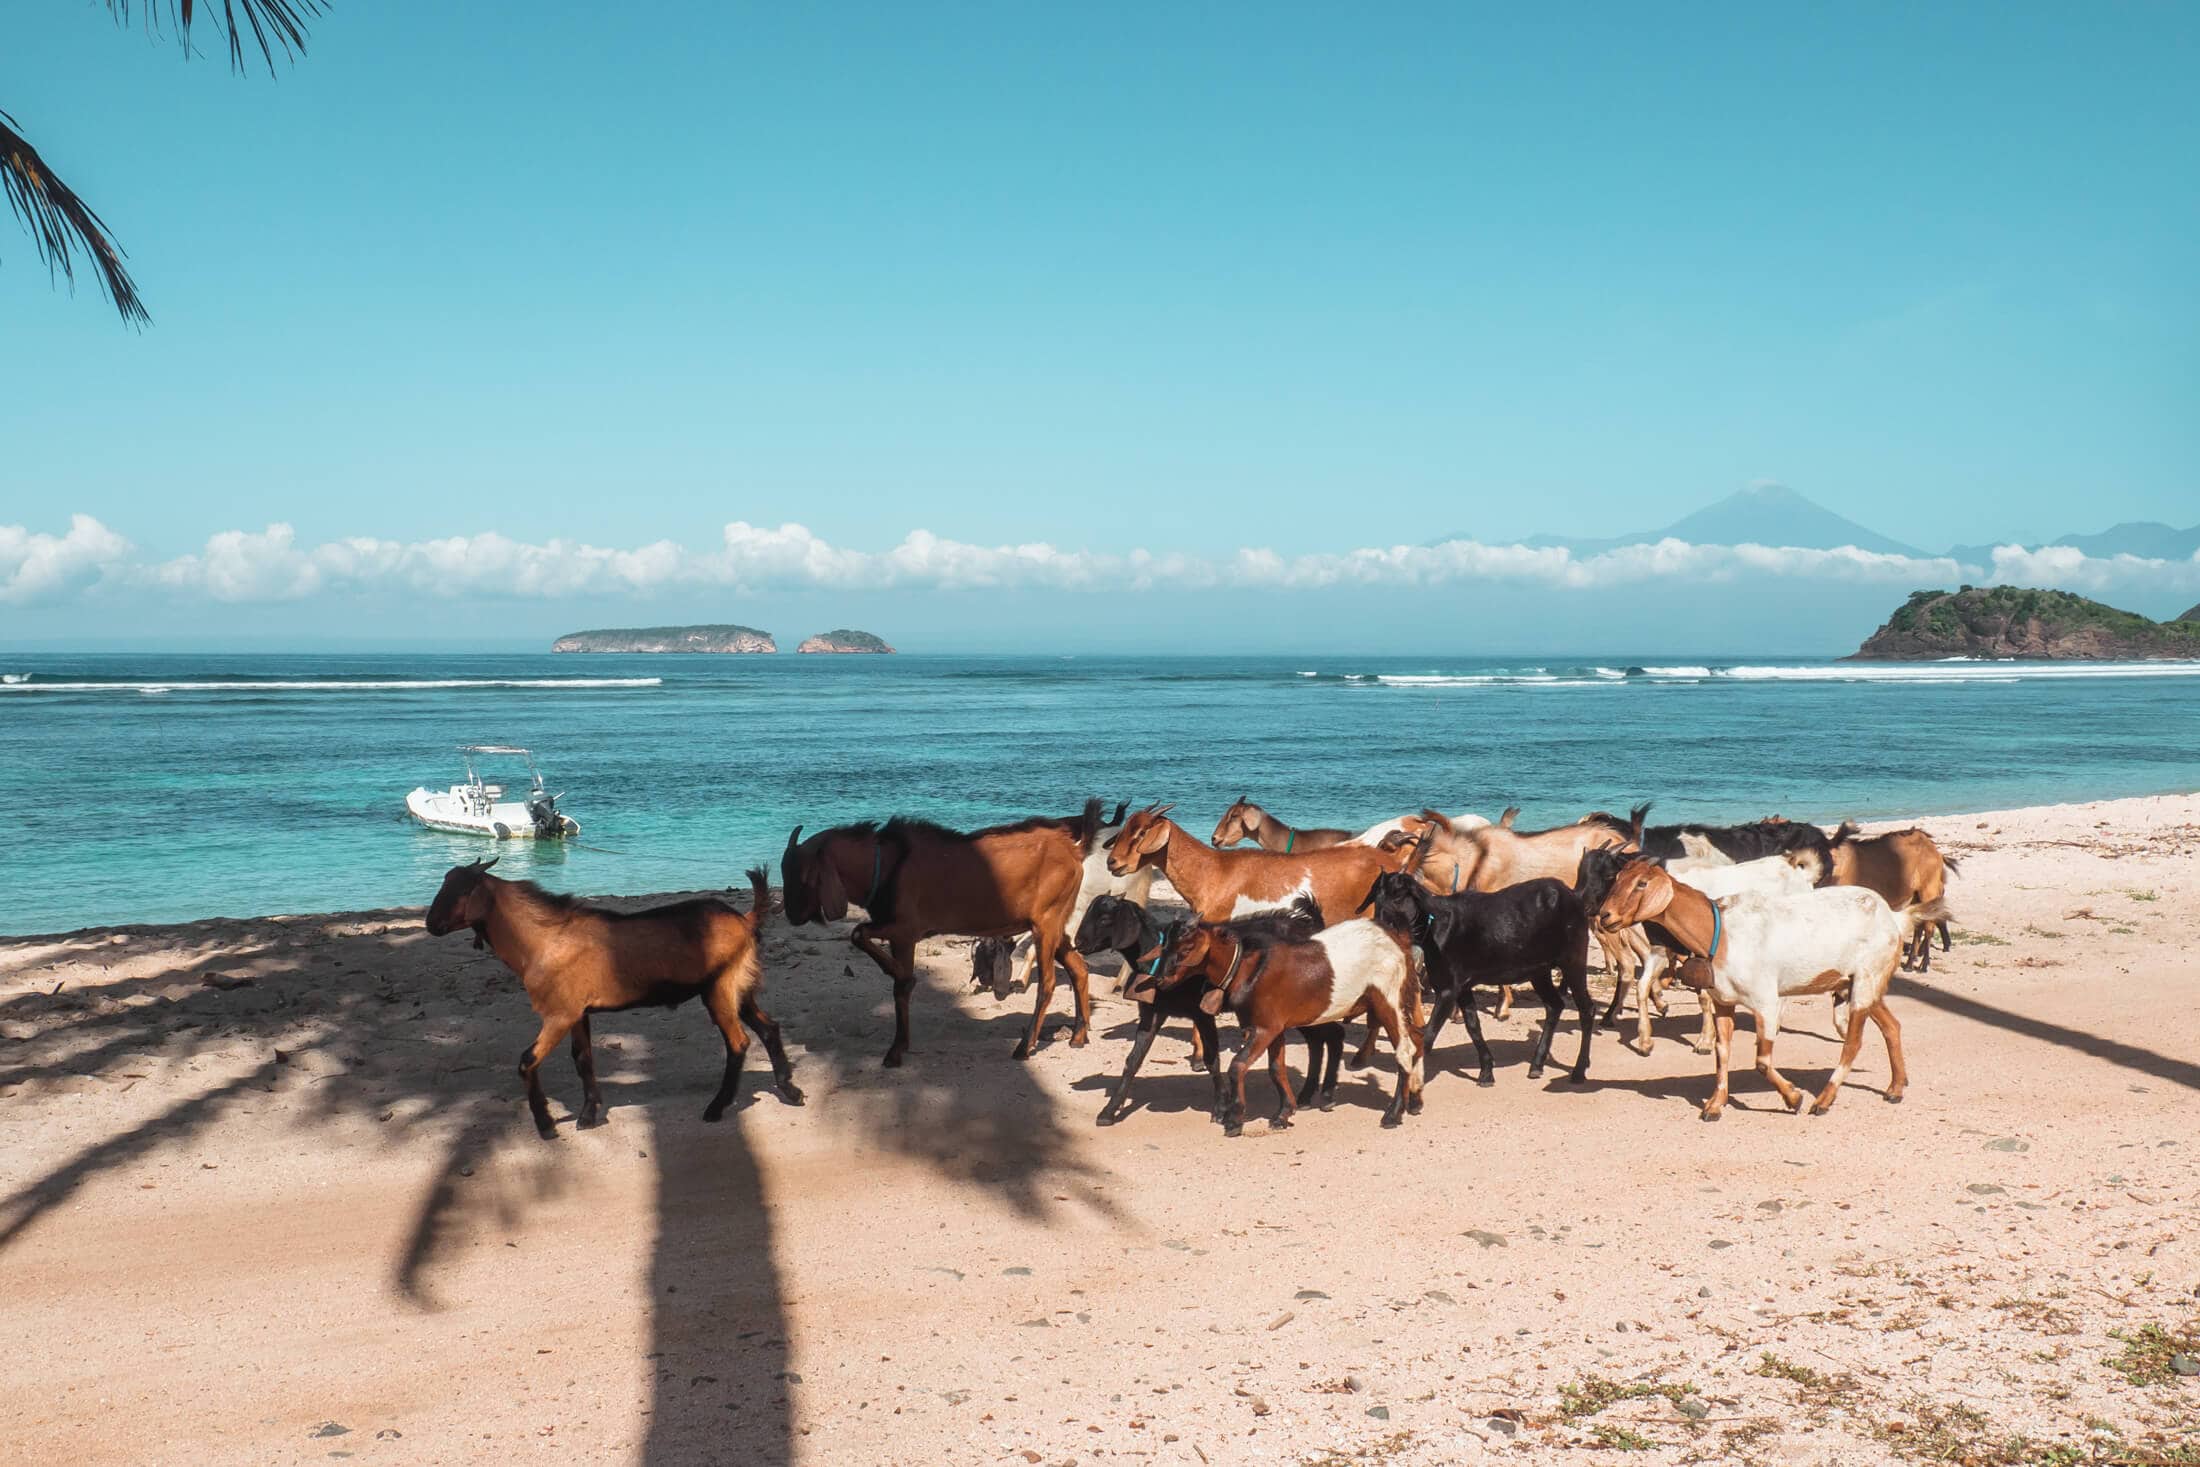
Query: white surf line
(409,686)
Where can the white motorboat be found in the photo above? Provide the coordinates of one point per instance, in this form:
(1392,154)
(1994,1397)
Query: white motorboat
(482,807)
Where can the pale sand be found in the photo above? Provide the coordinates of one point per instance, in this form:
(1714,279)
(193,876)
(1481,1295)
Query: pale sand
(236,1218)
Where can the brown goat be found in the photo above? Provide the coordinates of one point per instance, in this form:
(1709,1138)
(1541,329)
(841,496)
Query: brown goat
(575,959)
(1214,882)
(1907,870)
(922,880)
(1246,821)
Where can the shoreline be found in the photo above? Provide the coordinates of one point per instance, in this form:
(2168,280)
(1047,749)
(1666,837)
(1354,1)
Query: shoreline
(2114,807)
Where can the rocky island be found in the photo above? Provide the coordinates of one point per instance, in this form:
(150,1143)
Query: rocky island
(2014,621)
(843,639)
(715,637)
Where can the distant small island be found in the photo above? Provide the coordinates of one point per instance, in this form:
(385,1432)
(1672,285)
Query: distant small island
(715,637)
(2018,622)
(843,639)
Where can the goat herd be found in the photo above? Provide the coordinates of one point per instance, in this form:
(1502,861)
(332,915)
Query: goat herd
(1306,931)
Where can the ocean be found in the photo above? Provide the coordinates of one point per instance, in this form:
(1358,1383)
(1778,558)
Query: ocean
(150,788)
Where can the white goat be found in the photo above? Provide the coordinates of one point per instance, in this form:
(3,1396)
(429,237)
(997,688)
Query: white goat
(1717,878)
(1759,949)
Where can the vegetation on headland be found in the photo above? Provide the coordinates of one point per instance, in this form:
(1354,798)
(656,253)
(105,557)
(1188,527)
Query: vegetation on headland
(844,639)
(2017,621)
(708,637)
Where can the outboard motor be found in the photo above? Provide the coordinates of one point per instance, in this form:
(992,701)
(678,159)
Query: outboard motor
(542,808)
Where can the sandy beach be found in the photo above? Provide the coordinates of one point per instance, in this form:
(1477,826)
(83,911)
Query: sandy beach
(268,1193)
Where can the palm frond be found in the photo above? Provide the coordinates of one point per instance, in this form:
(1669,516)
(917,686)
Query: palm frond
(274,25)
(60,223)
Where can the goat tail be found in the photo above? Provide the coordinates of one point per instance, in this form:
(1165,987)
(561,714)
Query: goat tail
(1948,862)
(760,882)
(1088,824)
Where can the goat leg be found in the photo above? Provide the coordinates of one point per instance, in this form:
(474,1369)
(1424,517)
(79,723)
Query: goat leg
(1333,1058)
(1554,1007)
(725,1011)
(1233,1109)
(1768,1030)
(1279,1069)
(1721,1046)
(775,1045)
(1850,1044)
(1209,1042)
(530,1070)
(1578,981)
(1487,1074)
(1891,1031)
(1365,1054)
(584,1064)
(1149,1022)
(1445,1002)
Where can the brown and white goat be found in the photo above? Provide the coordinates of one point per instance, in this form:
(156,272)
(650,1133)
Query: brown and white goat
(1759,950)
(922,880)
(1219,885)
(1340,973)
(1907,870)
(575,959)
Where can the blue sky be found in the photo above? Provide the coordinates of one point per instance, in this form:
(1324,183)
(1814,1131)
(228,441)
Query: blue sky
(1179,279)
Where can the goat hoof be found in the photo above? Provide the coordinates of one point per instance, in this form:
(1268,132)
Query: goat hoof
(1485,1079)
(1712,1115)
(714,1115)
(1413,1106)
(1079,1040)
(1022,1051)
(1392,1122)
(590,1120)
(1577,1077)
(1894,1100)
(547,1129)
(1280,1123)
(893,1059)
(1105,1119)
(1536,1073)
(1232,1128)
(792,1094)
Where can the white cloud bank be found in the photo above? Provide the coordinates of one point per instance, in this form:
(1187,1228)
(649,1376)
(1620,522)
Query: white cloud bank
(36,567)
(271,566)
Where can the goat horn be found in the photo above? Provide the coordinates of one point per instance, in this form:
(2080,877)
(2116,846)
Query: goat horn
(793,836)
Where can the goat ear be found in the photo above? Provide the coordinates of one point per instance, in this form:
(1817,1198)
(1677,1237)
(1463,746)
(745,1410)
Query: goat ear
(832,897)
(1505,821)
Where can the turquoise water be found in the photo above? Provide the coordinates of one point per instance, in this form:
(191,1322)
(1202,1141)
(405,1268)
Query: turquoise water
(144,788)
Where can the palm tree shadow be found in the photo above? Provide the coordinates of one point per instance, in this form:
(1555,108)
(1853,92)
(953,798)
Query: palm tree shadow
(316,1010)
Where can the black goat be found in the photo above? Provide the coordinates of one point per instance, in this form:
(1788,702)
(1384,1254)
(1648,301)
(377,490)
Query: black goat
(1519,933)
(1771,836)
(992,965)
(1112,924)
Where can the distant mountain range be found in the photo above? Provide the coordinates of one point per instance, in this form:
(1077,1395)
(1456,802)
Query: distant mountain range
(1773,514)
